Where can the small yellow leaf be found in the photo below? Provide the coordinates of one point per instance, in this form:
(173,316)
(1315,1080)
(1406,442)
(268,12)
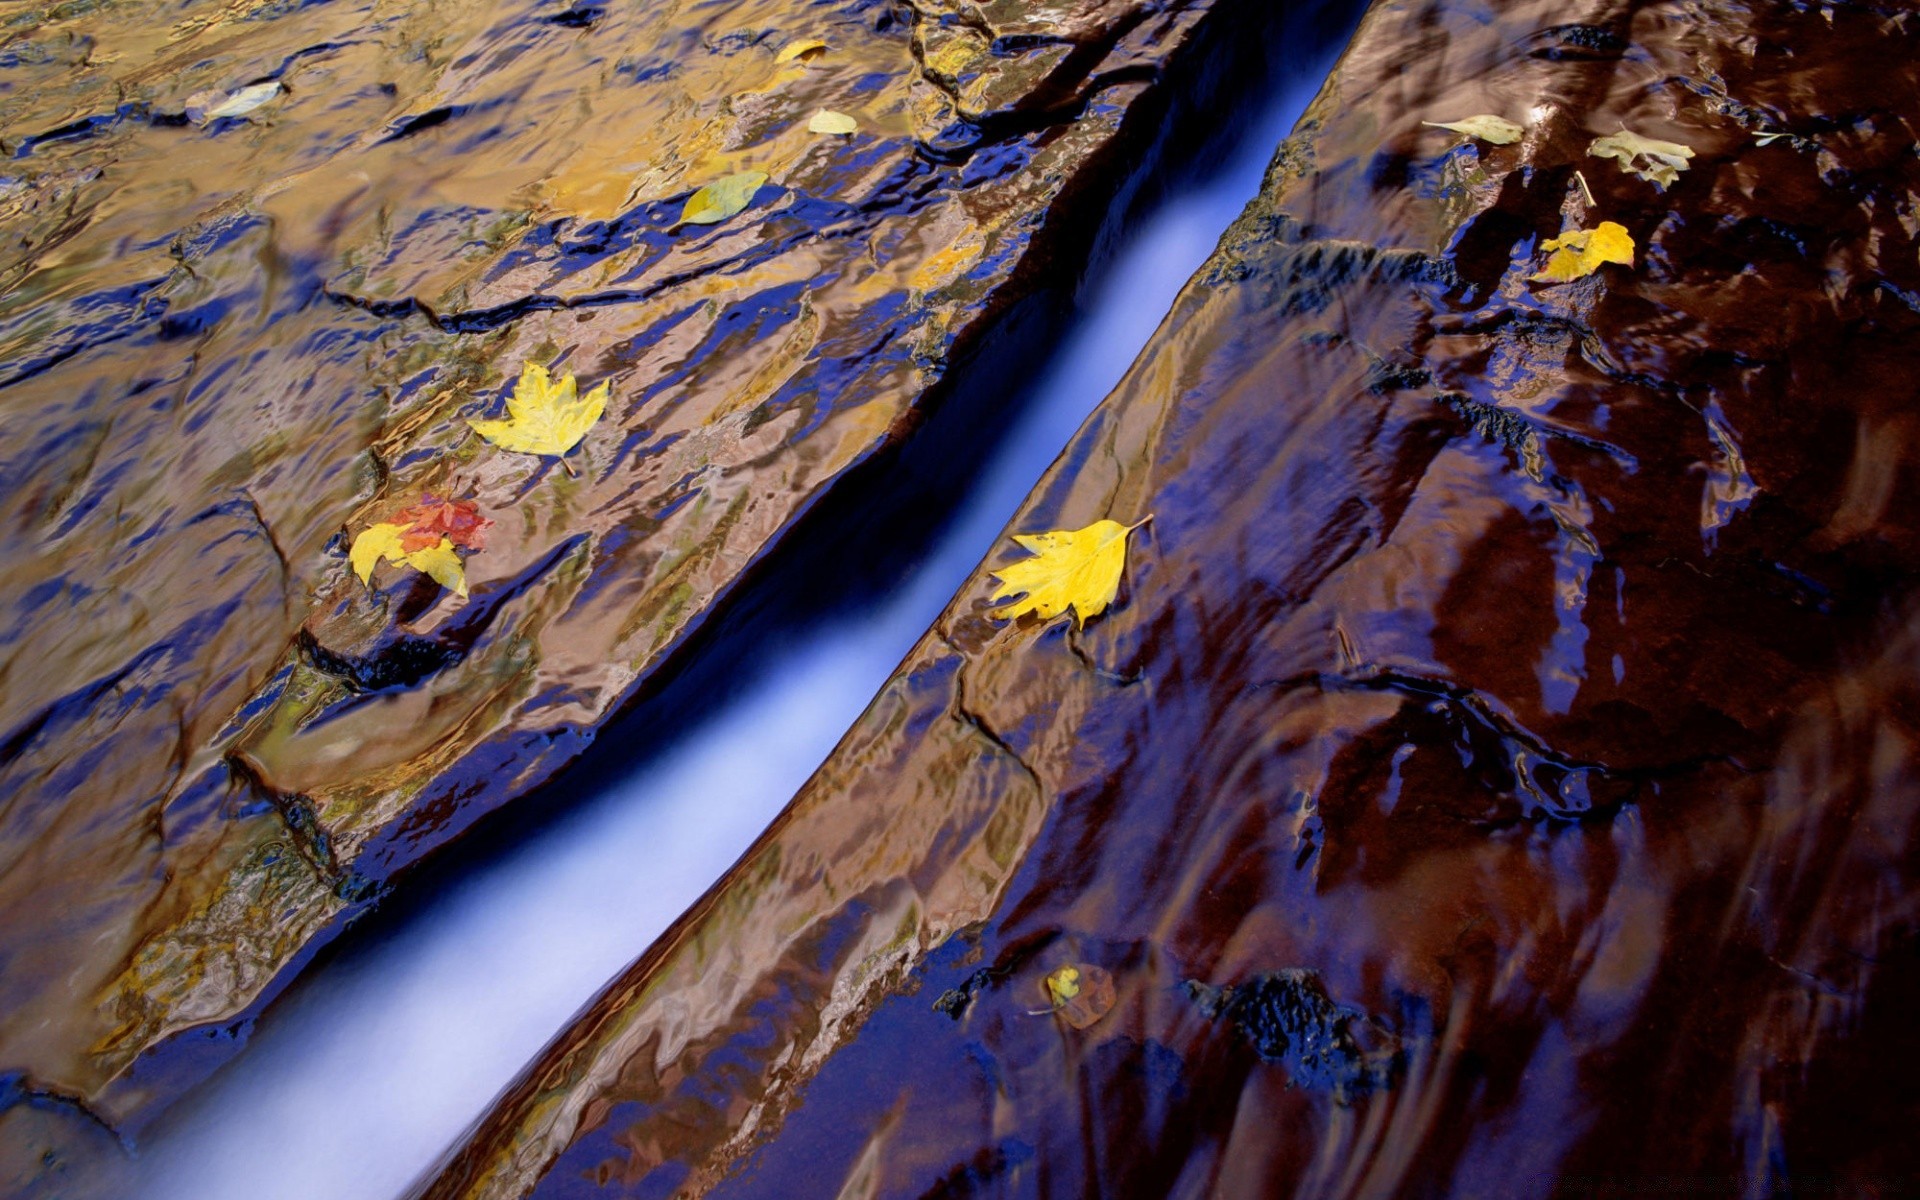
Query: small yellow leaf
(803,50)
(544,417)
(442,565)
(1653,160)
(1579,252)
(1079,995)
(723,198)
(375,543)
(829,121)
(1486,127)
(1070,568)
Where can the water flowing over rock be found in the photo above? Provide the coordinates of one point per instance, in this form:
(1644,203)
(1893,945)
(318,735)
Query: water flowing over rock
(1498,775)
(261,263)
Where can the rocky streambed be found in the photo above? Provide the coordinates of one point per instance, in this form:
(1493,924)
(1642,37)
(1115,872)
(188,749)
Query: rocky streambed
(263,266)
(1494,775)
(1497,774)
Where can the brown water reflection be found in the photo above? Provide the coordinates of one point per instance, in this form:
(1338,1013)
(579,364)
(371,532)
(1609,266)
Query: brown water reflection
(227,343)
(1499,776)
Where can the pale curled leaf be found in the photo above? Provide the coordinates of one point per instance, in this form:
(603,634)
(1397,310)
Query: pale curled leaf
(544,417)
(1070,568)
(829,121)
(802,50)
(203,107)
(1651,159)
(1579,252)
(724,197)
(1486,127)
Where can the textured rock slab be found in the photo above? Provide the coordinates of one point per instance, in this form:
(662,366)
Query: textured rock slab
(228,343)
(1498,777)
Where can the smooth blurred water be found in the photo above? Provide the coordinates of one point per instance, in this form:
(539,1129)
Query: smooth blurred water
(372,1065)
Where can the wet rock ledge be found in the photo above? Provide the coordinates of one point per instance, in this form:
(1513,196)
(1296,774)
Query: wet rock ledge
(262,262)
(1498,775)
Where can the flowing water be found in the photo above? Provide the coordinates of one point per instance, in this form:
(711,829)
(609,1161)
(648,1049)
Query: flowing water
(361,1074)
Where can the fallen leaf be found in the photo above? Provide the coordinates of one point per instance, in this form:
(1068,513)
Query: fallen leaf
(829,121)
(723,198)
(458,521)
(803,50)
(442,565)
(544,417)
(1486,127)
(1651,159)
(1579,252)
(386,542)
(203,107)
(1071,568)
(1079,994)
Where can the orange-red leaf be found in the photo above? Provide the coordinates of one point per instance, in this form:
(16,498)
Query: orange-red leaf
(458,521)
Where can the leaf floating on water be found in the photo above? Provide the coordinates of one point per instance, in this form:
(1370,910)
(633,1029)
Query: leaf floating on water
(1579,252)
(203,107)
(803,51)
(1070,568)
(829,121)
(386,542)
(424,537)
(1486,127)
(442,565)
(457,521)
(1079,994)
(544,417)
(725,197)
(1653,160)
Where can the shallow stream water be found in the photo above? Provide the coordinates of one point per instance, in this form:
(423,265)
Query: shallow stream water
(363,1072)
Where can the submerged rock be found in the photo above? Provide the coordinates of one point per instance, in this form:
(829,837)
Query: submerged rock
(236,334)
(1287,1017)
(1531,663)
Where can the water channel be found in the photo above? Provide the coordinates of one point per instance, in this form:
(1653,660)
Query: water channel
(359,1076)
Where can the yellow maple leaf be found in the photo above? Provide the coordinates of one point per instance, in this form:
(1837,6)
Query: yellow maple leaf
(1578,253)
(384,543)
(544,417)
(442,565)
(1070,568)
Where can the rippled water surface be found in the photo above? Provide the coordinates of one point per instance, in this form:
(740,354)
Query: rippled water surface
(363,1074)
(263,263)
(368,1072)
(1497,775)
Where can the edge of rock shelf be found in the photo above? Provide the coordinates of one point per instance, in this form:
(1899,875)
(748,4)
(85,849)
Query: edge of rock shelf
(1498,768)
(761,369)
